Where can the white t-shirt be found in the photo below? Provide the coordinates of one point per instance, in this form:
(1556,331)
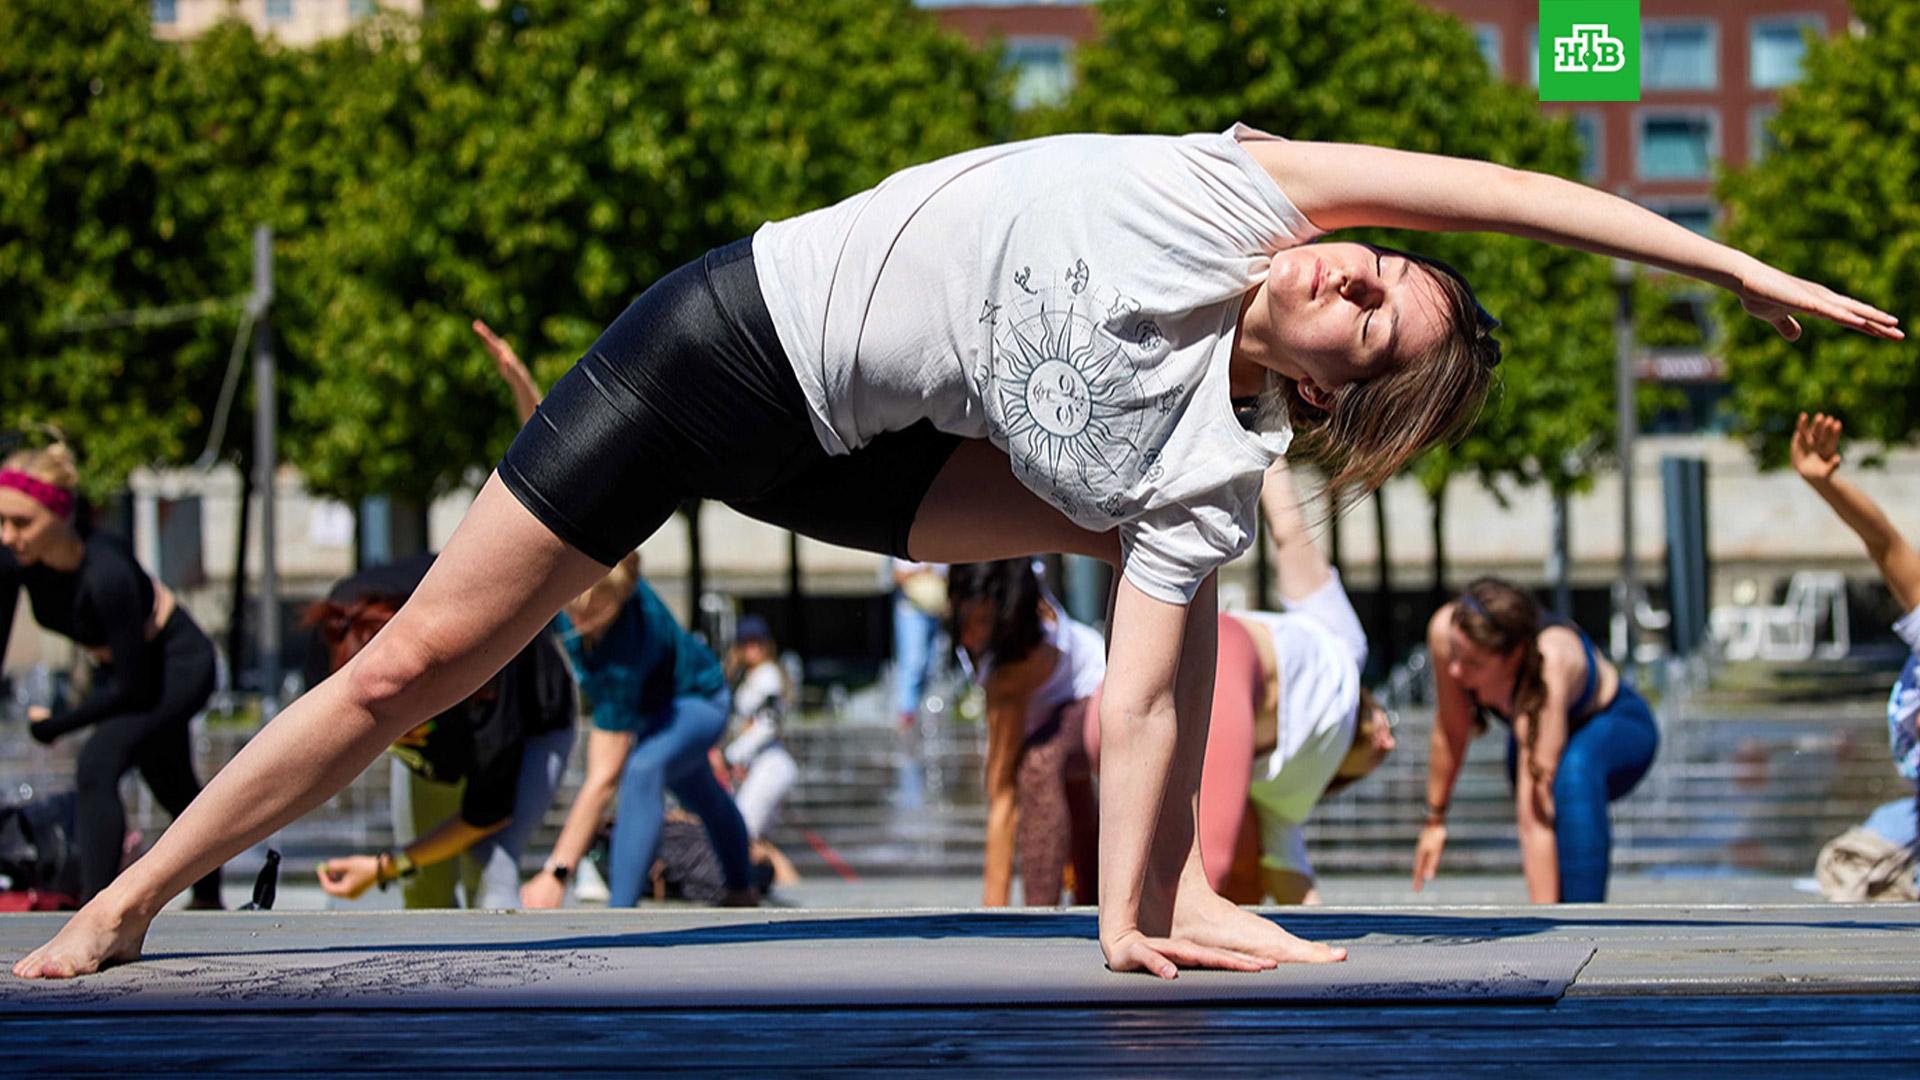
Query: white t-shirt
(761,698)
(1077,673)
(1903,706)
(1318,648)
(1071,298)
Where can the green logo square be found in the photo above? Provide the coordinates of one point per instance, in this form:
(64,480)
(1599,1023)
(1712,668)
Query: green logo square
(1589,50)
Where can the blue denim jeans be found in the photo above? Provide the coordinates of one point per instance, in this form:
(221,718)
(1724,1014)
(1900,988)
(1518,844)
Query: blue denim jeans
(914,633)
(1605,758)
(673,757)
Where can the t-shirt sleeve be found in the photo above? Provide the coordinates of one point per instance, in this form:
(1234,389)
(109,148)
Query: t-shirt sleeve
(1331,607)
(1168,551)
(1903,721)
(1908,630)
(1210,213)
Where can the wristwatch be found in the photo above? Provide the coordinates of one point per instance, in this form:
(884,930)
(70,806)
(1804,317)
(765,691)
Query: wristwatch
(560,871)
(403,867)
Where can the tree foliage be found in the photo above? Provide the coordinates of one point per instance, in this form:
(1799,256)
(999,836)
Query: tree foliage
(535,163)
(1835,202)
(126,183)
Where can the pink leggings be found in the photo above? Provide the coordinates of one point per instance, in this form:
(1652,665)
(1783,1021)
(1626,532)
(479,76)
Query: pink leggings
(1229,765)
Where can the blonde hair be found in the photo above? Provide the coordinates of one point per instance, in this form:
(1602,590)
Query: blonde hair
(1378,425)
(617,584)
(51,464)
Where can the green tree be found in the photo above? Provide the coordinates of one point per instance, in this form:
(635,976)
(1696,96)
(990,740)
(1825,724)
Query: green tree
(1835,203)
(1396,73)
(539,163)
(125,187)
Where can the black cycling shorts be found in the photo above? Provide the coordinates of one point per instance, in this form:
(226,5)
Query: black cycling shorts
(689,394)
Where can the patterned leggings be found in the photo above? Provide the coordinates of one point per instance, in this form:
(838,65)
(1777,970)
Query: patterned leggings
(1059,817)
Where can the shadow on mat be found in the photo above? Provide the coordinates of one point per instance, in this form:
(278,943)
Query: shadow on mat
(1336,927)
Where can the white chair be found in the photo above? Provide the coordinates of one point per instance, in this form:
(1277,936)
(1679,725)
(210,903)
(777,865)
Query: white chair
(1788,632)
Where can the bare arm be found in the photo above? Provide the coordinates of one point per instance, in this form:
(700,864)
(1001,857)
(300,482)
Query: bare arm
(1816,457)
(1539,851)
(526,393)
(606,760)
(1009,689)
(1564,666)
(1342,185)
(1452,731)
(1453,717)
(1303,569)
(450,838)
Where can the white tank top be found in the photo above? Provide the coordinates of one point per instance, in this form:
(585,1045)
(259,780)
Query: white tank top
(1077,673)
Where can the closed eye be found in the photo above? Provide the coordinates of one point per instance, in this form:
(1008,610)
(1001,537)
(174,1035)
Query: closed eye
(1379,271)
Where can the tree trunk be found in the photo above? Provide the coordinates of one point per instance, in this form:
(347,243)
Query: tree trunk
(696,568)
(1560,562)
(796,629)
(237,598)
(1386,641)
(1437,590)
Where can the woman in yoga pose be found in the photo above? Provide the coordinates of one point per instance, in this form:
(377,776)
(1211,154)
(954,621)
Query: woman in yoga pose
(1092,344)
(156,667)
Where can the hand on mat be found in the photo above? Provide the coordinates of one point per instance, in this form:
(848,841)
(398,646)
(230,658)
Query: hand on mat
(1426,854)
(1816,447)
(543,890)
(350,877)
(1134,951)
(1775,296)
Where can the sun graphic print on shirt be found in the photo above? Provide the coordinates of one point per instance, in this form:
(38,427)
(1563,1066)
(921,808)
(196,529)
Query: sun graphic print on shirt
(1072,390)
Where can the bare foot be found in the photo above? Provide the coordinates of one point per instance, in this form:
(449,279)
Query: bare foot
(1204,917)
(93,939)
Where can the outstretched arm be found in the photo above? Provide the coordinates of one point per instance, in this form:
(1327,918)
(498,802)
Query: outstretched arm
(1816,457)
(1342,185)
(526,393)
(1303,569)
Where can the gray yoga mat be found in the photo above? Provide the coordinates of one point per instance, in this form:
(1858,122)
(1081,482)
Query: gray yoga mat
(330,963)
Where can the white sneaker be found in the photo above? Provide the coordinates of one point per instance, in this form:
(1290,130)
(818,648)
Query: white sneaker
(588,886)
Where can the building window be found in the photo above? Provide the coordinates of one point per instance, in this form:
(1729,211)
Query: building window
(164,12)
(1676,145)
(1760,141)
(1593,150)
(1533,56)
(1695,216)
(1043,70)
(1778,47)
(1487,37)
(279,10)
(1678,55)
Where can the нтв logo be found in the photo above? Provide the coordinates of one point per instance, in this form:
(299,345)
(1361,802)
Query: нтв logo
(1589,48)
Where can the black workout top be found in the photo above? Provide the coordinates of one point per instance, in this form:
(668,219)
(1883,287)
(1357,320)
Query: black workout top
(106,601)
(483,739)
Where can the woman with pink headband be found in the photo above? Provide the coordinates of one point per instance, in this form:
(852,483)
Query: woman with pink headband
(155,666)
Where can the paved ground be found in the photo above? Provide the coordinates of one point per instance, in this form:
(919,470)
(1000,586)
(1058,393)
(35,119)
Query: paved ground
(1803,990)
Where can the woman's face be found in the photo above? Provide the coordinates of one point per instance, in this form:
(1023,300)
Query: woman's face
(1342,313)
(27,528)
(976,627)
(1484,673)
